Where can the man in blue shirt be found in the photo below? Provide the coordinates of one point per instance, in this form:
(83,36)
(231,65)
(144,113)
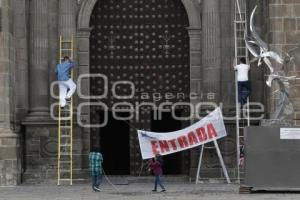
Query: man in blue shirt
(66,85)
(95,166)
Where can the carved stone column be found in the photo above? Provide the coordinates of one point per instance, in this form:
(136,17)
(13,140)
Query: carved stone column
(53,41)
(195,63)
(67,17)
(195,84)
(20,32)
(211,45)
(38,65)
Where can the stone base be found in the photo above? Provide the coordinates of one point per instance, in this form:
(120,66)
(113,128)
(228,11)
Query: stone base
(41,148)
(10,165)
(38,118)
(34,176)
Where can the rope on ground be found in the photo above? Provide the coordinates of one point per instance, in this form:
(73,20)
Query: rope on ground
(142,167)
(108,180)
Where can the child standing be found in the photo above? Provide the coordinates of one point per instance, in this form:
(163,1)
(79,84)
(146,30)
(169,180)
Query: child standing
(95,165)
(155,165)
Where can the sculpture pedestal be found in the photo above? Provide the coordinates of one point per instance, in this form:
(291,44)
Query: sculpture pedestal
(271,163)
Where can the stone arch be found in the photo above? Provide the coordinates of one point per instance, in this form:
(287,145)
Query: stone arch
(86,9)
(192,8)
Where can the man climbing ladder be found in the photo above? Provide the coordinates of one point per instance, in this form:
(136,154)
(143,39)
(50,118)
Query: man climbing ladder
(66,85)
(244,87)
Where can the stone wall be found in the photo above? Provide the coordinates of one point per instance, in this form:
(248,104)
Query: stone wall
(40,137)
(9,141)
(10,165)
(40,134)
(284,35)
(40,153)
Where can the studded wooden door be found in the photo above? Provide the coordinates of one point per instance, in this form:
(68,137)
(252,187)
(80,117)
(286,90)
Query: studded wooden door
(145,42)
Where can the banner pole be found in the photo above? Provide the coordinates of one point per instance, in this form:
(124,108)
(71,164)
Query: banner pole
(199,164)
(222,161)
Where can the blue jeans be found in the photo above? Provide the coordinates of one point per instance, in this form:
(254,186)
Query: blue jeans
(244,90)
(158,182)
(97,180)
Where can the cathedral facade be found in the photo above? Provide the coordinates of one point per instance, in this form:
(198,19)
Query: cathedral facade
(142,60)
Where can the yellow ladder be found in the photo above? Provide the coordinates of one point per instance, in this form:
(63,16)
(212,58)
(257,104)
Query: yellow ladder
(65,124)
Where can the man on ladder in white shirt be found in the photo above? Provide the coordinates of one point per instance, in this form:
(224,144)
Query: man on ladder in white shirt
(244,86)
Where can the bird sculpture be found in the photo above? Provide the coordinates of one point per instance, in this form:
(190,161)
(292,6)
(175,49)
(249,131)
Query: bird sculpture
(261,53)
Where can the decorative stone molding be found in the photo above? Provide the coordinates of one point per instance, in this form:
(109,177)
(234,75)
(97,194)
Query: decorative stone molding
(193,10)
(84,15)
(86,9)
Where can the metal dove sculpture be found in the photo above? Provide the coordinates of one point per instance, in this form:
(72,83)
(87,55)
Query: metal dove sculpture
(260,50)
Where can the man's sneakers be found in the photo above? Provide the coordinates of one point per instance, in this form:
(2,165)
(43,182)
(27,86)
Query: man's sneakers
(163,190)
(62,102)
(96,189)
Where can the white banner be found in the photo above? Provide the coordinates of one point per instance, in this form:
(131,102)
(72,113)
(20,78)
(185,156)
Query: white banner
(206,130)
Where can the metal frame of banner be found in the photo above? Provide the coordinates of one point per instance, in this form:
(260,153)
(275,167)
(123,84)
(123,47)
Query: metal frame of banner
(220,159)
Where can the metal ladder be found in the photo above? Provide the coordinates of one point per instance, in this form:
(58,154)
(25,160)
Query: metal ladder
(240,26)
(215,147)
(65,125)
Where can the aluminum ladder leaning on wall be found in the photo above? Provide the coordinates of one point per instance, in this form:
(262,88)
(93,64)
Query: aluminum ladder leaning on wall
(242,114)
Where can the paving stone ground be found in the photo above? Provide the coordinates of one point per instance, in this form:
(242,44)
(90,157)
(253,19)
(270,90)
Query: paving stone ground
(136,191)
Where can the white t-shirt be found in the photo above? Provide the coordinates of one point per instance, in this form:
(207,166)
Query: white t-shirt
(242,72)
